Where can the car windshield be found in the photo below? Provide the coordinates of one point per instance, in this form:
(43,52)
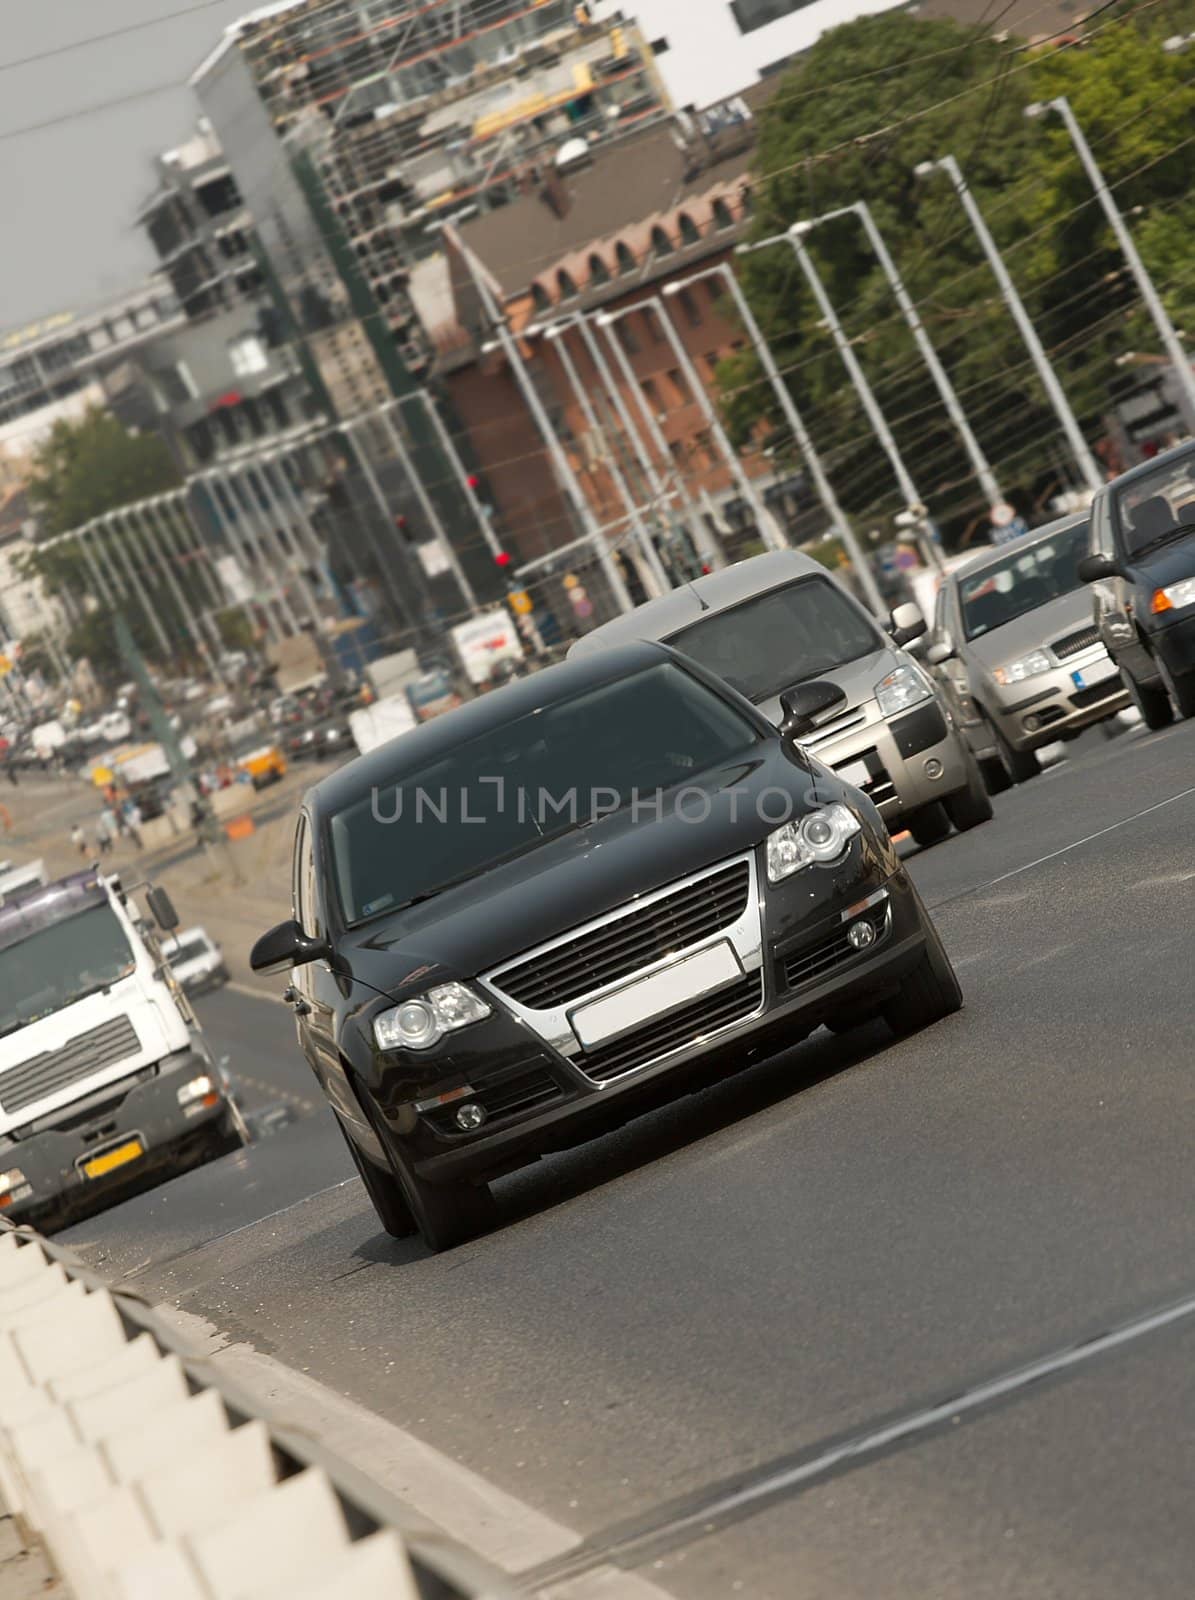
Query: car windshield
(56,965)
(527,781)
(1155,508)
(783,637)
(186,949)
(1027,577)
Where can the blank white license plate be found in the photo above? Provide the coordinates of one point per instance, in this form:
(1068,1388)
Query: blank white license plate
(687,980)
(854,773)
(1095,673)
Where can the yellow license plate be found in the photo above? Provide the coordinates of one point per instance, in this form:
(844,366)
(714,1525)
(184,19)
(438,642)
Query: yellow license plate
(131,1150)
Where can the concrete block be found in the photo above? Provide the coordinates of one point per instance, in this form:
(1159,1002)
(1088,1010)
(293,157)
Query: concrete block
(69,1331)
(65,1483)
(278,1537)
(375,1568)
(18,1262)
(211,1484)
(113,1408)
(126,1362)
(89,1542)
(29,1290)
(170,1435)
(161,1572)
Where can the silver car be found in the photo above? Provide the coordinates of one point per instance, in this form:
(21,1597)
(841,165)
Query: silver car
(196,960)
(1014,644)
(772,622)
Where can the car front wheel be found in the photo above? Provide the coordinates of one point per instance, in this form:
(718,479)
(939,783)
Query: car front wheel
(968,807)
(1181,690)
(1153,702)
(928,993)
(930,825)
(385,1193)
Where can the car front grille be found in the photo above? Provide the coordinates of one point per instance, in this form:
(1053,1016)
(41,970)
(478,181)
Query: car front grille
(806,965)
(687,1025)
(79,1058)
(626,944)
(1071,643)
(879,786)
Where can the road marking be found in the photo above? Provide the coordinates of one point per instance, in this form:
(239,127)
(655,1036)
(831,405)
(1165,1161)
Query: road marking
(272,1089)
(1053,855)
(253,994)
(695,1516)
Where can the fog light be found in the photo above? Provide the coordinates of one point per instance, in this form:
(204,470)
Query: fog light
(933,768)
(470,1117)
(860,934)
(1032,723)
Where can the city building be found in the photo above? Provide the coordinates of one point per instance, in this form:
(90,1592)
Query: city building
(26,607)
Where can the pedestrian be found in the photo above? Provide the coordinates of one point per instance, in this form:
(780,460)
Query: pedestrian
(134,821)
(79,839)
(103,832)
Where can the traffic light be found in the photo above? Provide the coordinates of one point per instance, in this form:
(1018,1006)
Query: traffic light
(502,558)
(473,481)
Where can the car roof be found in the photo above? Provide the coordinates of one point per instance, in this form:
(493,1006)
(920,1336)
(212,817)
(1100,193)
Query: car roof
(716,591)
(414,750)
(1164,458)
(1001,552)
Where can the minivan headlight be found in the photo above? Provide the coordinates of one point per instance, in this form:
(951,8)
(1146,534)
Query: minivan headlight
(419,1023)
(820,837)
(1030,666)
(902,688)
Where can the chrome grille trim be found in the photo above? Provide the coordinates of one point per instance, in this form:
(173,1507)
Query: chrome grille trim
(78,1059)
(1070,644)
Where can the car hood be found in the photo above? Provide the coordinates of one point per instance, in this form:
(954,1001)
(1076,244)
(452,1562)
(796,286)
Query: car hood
(857,679)
(1168,564)
(1032,631)
(577,876)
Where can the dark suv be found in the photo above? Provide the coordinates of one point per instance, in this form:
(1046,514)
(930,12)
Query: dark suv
(526,922)
(1142,568)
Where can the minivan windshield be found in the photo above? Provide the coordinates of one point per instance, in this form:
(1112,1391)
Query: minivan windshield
(1028,577)
(57,965)
(782,637)
(530,780)
(1157,507)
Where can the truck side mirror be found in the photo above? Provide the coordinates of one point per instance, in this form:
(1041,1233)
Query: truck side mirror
(162,908)
(807,706)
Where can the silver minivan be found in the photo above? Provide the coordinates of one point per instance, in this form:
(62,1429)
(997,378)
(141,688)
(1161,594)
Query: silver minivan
(775,621)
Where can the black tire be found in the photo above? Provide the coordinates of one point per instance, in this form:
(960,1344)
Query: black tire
(928,993)
(1021,765)
(1181,691)
(446,1214)
(968,807)
(996,776)
(385,1193)
(1153,703)
(930,825)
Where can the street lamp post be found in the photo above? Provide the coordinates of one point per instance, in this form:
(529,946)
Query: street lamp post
(565,475)
(768,526)
(800,432)
(1086,462)
(795,239)
(1180,360)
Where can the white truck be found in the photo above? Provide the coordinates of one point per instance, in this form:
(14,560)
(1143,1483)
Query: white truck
(106,1079)
(380,722)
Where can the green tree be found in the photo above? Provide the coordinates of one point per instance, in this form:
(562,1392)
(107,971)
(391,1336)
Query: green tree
(94,465)
(851,122)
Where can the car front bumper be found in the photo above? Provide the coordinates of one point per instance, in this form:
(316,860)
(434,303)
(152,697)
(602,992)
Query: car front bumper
(1086,688)
(901,763)
(807,976)
(52,1159)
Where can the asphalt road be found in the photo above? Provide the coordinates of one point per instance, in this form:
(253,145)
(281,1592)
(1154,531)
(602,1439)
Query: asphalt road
(678,1325)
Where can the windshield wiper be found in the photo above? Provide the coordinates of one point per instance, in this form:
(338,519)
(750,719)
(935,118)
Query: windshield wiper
(1182,530)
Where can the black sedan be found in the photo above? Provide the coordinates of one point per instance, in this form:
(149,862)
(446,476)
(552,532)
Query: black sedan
(573,899)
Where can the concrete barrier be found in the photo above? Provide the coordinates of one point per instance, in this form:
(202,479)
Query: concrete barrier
(146,1477)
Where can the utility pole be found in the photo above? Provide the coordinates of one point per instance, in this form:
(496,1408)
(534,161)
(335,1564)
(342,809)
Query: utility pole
(1084,459)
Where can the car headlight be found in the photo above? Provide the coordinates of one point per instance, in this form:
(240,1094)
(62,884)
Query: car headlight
(902,688)
(1173,596)
(418,1024)
(820,837)
(1037,661)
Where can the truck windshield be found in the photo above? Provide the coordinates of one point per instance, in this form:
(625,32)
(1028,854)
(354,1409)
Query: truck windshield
(768,643)
(1025,579)
(58,965)
(514,787)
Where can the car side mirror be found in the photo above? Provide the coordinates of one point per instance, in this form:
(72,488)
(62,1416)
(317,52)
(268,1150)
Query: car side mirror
(807,706)
(941,650)
(162,909)
(1093,569)
(907,623)
(286,946)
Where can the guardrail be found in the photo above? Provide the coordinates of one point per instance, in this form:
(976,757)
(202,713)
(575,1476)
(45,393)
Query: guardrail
(146,1474)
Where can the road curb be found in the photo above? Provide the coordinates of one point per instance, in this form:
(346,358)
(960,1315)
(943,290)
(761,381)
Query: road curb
(145,1473)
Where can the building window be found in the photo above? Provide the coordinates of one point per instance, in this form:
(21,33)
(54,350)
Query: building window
(679,386)
(599,273)
(692,311)
(624,258)
(690,233)
(540,297)
(752,14)
(659,47)
(661,244)
(565,287)
(723,216)
(248,356)
(652,395)
(627,335)
(746,200)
